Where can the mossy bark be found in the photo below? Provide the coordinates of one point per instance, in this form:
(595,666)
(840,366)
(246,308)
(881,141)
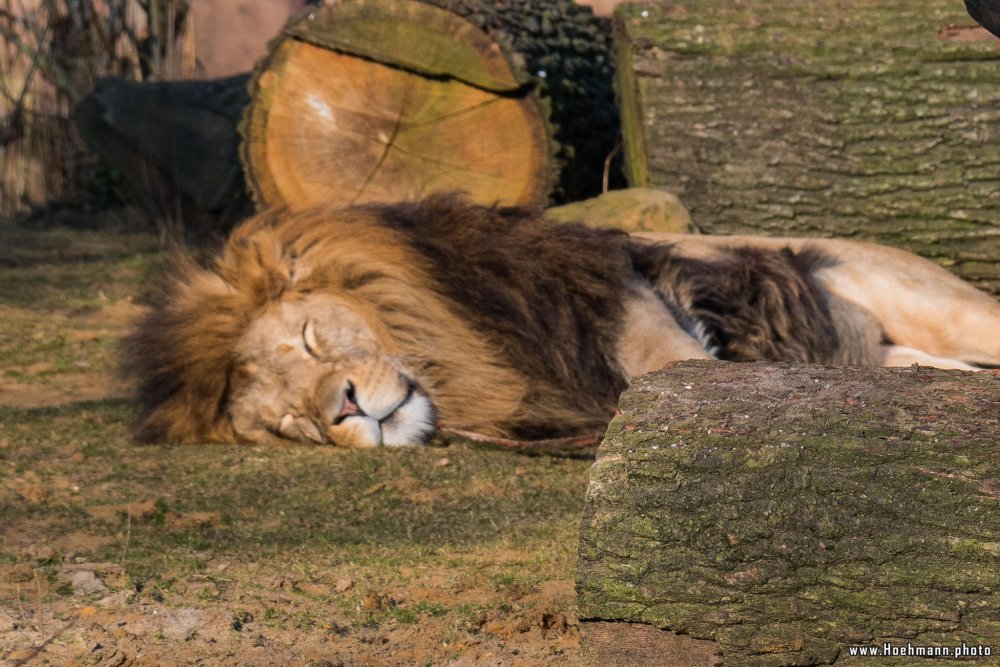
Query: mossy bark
(860,119)
(787,512)
(631,210)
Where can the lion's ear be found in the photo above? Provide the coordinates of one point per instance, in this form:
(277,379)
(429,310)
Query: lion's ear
(257,264)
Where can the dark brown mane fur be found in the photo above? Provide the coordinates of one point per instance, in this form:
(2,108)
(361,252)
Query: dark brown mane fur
(548,295)
(755,304)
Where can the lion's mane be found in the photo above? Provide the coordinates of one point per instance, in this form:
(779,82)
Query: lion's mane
(510,320)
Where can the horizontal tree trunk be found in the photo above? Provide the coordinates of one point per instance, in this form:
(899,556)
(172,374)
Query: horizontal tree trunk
(868,119)
(785,513)
(174,144)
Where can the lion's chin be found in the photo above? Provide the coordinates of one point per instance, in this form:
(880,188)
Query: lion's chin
(411,424)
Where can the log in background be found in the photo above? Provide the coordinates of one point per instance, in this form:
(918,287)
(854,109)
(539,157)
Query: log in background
(869,119)
(786,512)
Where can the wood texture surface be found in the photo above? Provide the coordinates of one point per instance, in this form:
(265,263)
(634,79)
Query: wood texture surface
(788,512)
(869,119)
(367,101)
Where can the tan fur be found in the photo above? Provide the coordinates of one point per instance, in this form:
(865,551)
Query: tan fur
(409,318)
(651,338)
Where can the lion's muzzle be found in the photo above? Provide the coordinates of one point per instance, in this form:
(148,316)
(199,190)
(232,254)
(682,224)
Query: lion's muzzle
(385,408)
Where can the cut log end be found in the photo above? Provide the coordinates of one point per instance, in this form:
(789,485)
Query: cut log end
(328,125)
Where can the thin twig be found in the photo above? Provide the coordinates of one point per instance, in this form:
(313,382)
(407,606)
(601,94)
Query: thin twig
(128,534)
(571,446)
(607,164)
(20,603)
(41,612)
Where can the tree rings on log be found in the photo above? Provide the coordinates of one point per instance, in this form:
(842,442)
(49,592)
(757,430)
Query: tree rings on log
(388,100)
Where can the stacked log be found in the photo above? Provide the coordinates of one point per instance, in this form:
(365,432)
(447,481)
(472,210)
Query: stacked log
(382,100)
(867,119)
(379,100)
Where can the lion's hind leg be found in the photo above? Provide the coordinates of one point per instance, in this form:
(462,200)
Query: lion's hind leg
(922,308)
(651,336)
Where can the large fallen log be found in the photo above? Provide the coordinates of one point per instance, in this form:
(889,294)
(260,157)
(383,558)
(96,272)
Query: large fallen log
(869,119)
(769,514)
(174,144)
(382,100)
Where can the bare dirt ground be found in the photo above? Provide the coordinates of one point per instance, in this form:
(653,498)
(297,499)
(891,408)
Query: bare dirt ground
(117,554)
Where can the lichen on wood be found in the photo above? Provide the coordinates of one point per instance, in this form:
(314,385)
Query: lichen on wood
(787,512)
(866,119)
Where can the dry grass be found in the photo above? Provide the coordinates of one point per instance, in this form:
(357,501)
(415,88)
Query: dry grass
(51,54)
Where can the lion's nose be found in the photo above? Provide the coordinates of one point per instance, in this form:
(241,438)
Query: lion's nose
(349,406)
(374,404)
(346,398)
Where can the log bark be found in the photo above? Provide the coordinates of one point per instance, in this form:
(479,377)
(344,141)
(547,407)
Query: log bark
(569,51)
(867,119)
(787,512)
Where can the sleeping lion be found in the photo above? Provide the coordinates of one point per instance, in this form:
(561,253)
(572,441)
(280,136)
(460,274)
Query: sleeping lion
(376,324)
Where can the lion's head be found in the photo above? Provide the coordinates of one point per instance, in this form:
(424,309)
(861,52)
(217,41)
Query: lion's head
(363,327)
(310,368)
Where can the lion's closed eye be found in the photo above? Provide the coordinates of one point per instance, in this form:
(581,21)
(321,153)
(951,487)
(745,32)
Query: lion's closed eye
(309,339)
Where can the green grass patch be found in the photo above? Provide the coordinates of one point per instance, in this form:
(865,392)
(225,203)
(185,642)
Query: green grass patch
(374,511)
